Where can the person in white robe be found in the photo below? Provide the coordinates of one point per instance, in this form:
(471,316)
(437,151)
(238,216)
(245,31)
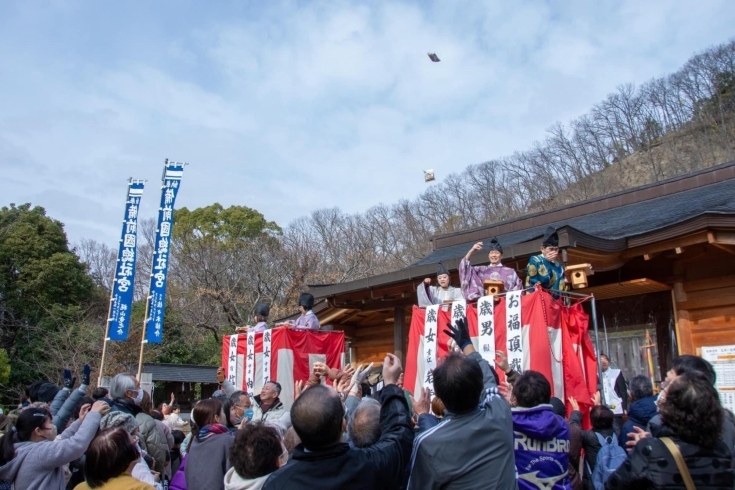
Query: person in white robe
(435,295)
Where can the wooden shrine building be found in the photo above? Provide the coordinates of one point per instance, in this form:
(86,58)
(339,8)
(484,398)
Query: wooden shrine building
(664,267)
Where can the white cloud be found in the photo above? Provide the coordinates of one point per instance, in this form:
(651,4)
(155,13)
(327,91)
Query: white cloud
(292,106)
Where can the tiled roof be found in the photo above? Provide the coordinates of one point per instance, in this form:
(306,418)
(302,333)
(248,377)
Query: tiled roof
(622,222)
(181,372)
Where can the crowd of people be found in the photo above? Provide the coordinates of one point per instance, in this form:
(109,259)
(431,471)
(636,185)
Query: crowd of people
(469,432)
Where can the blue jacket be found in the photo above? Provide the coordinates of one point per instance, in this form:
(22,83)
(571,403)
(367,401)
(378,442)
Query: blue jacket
(639,413)
(541,448)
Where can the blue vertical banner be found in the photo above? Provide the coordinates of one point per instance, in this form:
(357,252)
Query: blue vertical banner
(121,301)
(172,174)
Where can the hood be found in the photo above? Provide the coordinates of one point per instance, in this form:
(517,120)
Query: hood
(233,481)
(540,423)
(9,470)
(643,410)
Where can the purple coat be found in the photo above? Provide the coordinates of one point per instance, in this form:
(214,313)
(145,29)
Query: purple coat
(541,448)
(472,278)
(178,482)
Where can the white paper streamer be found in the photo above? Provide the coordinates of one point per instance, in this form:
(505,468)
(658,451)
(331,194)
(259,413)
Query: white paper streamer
(430,335)
(486,328)
(250,364)
(266,356)
(513,323)
(232,360)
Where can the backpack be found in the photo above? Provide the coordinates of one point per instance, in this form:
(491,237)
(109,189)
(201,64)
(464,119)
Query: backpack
(611,456)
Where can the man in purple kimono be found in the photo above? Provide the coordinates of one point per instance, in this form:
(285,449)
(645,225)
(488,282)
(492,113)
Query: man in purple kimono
(261,317)
(308,320)
(435,295)
(472,277)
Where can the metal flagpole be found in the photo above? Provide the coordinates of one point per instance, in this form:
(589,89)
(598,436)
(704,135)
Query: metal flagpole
(143,341)
(107,329)
(604,326)
(597,345)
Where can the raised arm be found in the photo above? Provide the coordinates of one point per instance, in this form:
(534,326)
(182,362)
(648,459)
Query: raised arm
(391,453)
(61,418)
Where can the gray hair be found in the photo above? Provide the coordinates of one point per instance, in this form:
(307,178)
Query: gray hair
(364,426)
(121,383)
(276,386)
(235,397)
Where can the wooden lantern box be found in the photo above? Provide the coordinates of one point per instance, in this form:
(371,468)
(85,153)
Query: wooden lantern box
(578,274)
(493,287)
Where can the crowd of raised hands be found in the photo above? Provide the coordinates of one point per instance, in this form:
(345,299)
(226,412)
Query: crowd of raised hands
(357,427)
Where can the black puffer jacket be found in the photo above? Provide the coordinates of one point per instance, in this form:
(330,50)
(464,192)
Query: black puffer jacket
(651,465)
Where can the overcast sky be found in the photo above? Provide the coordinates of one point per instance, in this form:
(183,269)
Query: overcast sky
(287,107)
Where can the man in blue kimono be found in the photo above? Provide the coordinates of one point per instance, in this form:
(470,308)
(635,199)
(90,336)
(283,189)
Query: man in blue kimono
(544,269)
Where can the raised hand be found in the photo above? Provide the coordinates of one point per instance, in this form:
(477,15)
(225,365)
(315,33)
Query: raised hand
(391,369)
(421,406)
(320,369)
(636,436)
(344,385)
(460,333)
(476,247)
(84,410)
(69,382)
(298,388)
(361,374)
(86,372)
(573,403)
(349,370)
(506,390)
(100,407)
(501,360)
(597,398)
(427,281)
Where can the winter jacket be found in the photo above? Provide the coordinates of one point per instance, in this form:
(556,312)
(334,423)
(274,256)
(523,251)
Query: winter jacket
(639,413)
(126,406)
(178,482)
(122,482)
(152,440)
(575,456)
(273,415)
(380,466)
(58,400)
(591,446)
(208,461)
(471,450)
(233,481)
(39,464)
(541,444)
(175,422)
(727,436)
(651,465)
(61,418)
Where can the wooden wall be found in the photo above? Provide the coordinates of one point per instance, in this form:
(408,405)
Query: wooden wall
(704,293)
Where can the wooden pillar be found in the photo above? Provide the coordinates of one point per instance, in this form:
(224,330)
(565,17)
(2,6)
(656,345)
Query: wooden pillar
(683,323)
(399,334)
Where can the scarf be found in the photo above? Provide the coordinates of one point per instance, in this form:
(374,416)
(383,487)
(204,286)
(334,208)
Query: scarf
(209,430)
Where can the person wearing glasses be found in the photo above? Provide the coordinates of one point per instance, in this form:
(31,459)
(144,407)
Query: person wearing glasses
(544,269)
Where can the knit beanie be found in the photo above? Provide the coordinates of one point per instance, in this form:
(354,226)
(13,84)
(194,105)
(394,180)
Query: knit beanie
(119,419)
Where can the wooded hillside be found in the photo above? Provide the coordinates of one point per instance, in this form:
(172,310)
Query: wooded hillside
(225,260)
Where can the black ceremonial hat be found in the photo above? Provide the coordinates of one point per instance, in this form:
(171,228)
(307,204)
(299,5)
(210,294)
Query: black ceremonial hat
(495,245)
(551,239)
(262,309)
(441,270)
(306,300)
